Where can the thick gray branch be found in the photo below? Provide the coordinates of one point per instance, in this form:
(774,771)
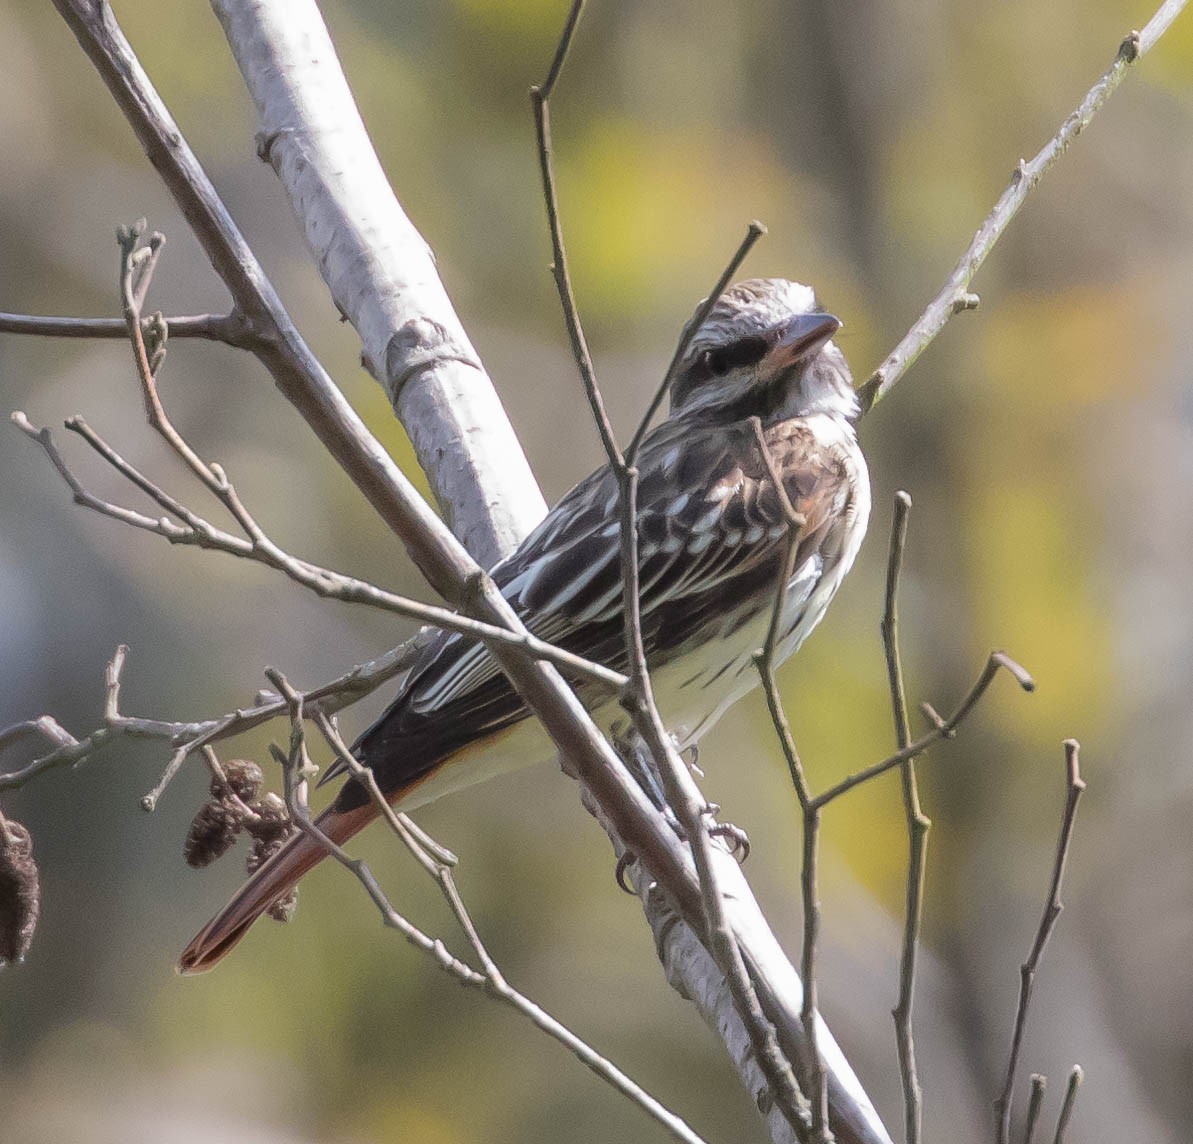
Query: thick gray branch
(382,274)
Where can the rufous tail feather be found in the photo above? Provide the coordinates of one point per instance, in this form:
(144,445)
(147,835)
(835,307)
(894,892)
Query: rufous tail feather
(272,881)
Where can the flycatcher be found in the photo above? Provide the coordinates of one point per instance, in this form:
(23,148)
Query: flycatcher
(762,394)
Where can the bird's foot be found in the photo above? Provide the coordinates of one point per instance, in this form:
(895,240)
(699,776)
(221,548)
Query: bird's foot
(737,841)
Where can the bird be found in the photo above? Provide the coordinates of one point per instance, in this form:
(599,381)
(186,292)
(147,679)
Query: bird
(761,398)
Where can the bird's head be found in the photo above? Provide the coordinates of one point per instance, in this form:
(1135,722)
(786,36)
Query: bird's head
(764,350)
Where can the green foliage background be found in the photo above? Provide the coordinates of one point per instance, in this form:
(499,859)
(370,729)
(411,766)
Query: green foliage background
(1047,440)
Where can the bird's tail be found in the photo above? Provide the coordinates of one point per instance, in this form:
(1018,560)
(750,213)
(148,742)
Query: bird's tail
(272,881)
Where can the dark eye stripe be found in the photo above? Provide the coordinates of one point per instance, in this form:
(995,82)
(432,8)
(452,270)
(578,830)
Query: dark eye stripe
(743,352)
(716,363)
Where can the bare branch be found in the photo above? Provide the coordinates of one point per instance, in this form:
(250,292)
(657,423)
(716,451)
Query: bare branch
(69,751)
(43,727)
(137,264)
(918,825)
(691,809)
(1074,786)
(680,791)
(954,296)
(721,937)
(562,48)
(559,262)
(815,1076)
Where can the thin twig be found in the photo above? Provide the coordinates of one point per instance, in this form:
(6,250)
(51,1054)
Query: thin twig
(137,264)
(918,825)
(1074,786)
(754,232)
(815,1078)
(559,262)
(231,329)
(690,809)
(1035,1102)
(177,759)
(954,296)
(112,676)
(561,49)
(942,728)
(69,751)
(1066,1109)
(43,727)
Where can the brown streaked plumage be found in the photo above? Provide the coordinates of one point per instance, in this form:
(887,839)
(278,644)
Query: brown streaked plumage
(762,368)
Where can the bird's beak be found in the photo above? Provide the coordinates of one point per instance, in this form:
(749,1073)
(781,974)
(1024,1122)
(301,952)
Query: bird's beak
(800,337)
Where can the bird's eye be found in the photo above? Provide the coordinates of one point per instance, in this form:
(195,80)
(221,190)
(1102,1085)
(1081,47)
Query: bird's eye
(716,363)
(743,352)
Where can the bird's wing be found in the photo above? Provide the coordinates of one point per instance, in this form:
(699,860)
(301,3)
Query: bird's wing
(712,530)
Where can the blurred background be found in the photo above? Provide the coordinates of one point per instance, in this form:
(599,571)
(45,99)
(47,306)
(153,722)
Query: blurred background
(1047,441)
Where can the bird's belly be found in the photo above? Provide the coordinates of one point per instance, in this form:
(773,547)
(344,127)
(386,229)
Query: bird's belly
(693,692)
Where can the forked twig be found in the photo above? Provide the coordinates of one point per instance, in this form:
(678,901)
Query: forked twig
(942,728)
(1074,786)
(192,529)
(69,751)
(811,806)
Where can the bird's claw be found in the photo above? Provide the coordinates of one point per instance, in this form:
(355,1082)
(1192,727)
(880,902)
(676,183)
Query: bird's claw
(736,839)
(626,860)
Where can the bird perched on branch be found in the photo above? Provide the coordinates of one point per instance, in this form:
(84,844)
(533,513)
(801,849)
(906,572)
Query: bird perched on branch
(761,395)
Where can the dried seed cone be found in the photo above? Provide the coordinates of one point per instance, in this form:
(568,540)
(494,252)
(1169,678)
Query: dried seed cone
(212,832)
(244,777)
(260,853)
(283,909)
(20,892)
(273,820)
(262,850)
